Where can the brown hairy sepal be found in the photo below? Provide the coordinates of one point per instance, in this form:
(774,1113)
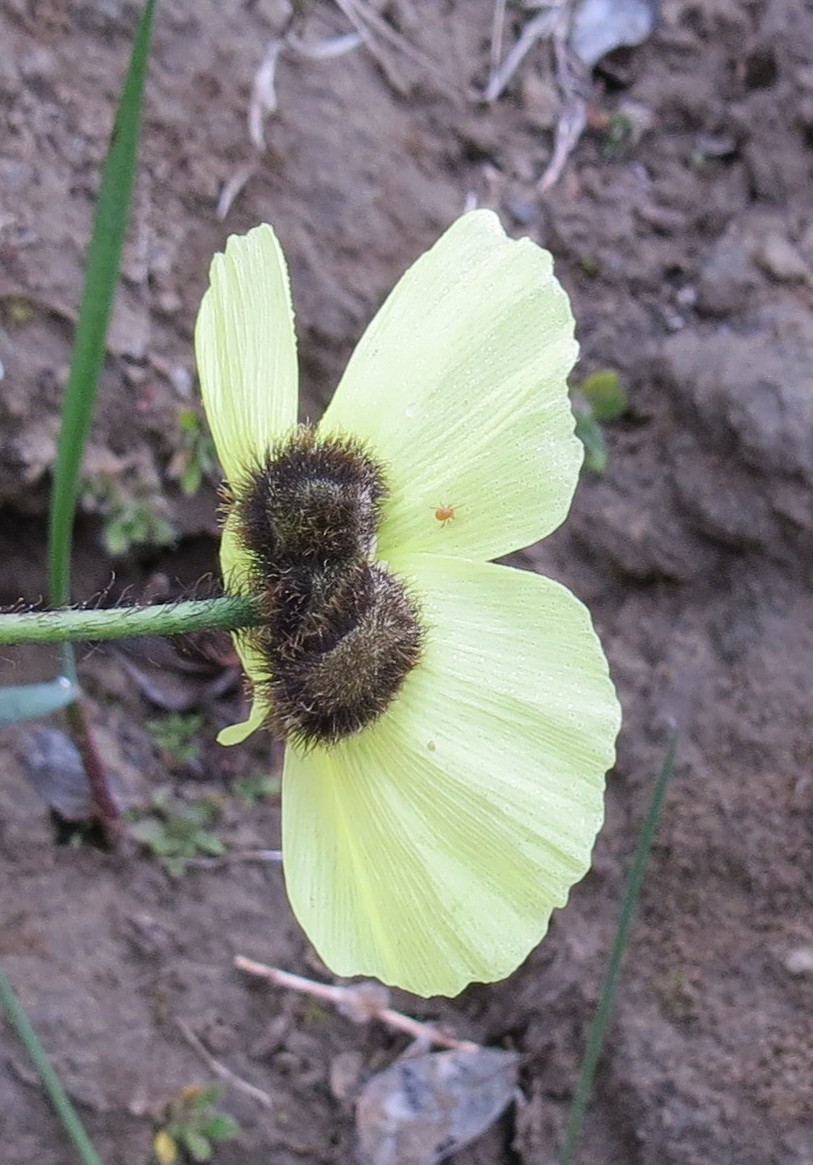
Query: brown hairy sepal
(339,632)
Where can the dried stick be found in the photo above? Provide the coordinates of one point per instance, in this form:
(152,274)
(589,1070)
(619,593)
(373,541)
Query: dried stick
(220,1069)
(360,1003)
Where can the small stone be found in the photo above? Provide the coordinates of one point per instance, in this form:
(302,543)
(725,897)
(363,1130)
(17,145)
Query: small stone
(639,119)
(779,258)
(800,961)
(15,176)
(181,380)
(169,302)
(521,210)
(804,77)
(715,145)
(540,101)
(673,321)
(38,64)
(664,220)
(135,374)
(804,111)
(727,279)
(345,1075)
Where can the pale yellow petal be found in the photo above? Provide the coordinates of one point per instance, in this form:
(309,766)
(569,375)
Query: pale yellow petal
(246,349)
(458,385)
(234,566)
(237,733)
(430,849)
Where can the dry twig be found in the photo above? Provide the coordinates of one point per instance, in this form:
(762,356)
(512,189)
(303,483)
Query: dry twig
(360,1003)
(573,78)
(242,855)
(220,1069)
(367,22)
(540,27)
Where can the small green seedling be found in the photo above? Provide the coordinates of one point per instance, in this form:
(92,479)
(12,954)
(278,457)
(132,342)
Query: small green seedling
(127,520)
(599,398)
(250,790)
(195,458)
(177,735)
(193,1126)
(19,310)
(136,523)
(175,830)
(619,135)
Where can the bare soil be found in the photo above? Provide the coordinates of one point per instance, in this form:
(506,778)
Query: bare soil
(686,242)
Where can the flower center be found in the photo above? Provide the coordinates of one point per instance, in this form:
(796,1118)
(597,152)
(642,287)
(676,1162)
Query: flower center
(340,632)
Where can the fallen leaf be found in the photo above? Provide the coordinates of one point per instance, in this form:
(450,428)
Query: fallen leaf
(425,1107)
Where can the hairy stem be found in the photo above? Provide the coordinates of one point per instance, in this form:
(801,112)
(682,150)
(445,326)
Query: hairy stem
(75,626)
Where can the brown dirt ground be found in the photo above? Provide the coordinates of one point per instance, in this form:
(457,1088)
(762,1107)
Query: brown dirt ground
(688,251)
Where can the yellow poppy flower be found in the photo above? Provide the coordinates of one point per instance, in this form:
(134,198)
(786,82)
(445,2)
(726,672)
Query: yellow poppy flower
(449,721)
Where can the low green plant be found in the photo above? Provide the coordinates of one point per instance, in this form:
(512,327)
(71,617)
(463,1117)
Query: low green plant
(195,457)
(175,830)
(193,1126)
(176,734)
(128,520)
(600,397)
(250,790)
(619,134)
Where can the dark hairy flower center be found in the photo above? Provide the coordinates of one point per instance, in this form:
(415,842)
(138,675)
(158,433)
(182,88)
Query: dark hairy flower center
(339,632)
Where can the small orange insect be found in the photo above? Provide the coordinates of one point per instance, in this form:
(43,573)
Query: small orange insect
(445,514)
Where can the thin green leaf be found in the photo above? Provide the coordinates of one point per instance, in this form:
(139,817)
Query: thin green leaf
(175,867)
(606,394)
(589,433)
(196,1145)
(28,701)
(152,833)
(598,1027)
(220,1127)
(101,277)
(208,843)
(191,478)
(207,1095)
(50,1081)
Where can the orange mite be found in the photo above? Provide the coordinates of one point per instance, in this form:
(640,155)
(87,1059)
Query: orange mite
(445,514)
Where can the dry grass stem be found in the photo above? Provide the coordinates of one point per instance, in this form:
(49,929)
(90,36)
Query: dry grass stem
(220,1069)
(360,1002)
(540,27)
(573,78)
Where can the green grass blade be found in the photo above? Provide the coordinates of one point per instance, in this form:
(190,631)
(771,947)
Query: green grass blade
(50,1081)
(101,277)
(598,1027)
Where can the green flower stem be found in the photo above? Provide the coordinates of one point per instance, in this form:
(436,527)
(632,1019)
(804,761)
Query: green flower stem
(77,626)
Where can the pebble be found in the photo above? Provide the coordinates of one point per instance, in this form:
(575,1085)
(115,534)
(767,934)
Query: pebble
(521,210)
(540,101)
(346,1069)
(38,64)
(800,961)
(779,258)
(727,280)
